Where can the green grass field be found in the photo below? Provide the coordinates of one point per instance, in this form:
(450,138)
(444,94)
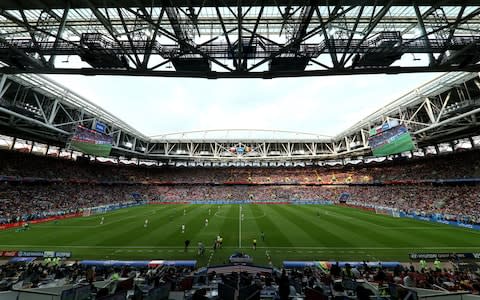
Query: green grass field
(307,232)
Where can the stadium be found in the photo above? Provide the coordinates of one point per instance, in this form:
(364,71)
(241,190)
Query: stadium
(385,206)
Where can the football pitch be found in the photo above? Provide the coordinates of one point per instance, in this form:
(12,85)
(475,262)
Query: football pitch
(307,232)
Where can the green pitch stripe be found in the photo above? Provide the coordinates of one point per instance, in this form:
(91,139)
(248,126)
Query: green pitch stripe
(264,218)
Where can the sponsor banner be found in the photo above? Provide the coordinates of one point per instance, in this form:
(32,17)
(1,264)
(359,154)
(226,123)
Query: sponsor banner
(328,264)
(353,205)
(306,202)
(115,263)
(30,253)
(218,202)
(436,220)
(63,254)
(164,202)
(48,253)
(139,263)
(8,253)
(36,253)
(19,224)
(443,256)
(173,263)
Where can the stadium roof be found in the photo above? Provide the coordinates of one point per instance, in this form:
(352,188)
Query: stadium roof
(445,109)
(222,39)
(243,134)
(13,4)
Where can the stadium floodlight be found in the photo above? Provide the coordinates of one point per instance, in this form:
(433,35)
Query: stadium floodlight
(181,151)
(353,145)
(299,152)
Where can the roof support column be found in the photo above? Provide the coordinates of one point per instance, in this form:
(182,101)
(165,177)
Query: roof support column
(431,58)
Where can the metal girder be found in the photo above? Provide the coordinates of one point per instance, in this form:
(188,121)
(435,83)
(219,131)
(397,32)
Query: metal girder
(33,4)
(218,75)
(181,32)
(105,20)
(244,39)
(424,34)
(61,28)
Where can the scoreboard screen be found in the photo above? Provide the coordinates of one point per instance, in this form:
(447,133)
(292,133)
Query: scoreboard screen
(392,141)
(91,142)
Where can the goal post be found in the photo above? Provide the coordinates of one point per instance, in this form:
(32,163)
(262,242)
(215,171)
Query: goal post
(388,211)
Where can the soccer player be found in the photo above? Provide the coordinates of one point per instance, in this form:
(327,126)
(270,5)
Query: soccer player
(206,222)
(201,248)
(184,211)
(254,244)
(145,225)
(101,222)
(209,211)
(183,228)
(187,243)
(262,235)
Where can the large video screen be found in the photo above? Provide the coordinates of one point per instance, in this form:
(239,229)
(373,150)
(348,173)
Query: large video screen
(91,142)
(392,141)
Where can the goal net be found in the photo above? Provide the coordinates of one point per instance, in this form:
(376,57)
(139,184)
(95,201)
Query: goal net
(388,211)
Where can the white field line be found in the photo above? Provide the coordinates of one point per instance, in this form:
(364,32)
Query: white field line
(245,218)
(240,226)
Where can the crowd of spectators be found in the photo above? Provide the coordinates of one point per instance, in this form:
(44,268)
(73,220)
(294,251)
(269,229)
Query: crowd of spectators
(26,202)
(82,184)
(360,281)
(241,192)
(460,203)
(394,282)
(21,202)
(449,166)
(100,281)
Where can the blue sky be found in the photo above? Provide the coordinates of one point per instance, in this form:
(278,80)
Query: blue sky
(321,105)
